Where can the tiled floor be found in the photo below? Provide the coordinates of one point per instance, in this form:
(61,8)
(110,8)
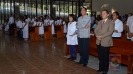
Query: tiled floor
(42,57)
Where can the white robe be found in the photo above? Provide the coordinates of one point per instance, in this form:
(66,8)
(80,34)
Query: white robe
(72,40)
(52,24)
(41,28)
(25,29)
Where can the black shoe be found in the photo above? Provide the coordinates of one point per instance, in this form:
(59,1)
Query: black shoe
(74,58)
(99,71)
(84,65)
(70,58)
(79,63)
(104,73)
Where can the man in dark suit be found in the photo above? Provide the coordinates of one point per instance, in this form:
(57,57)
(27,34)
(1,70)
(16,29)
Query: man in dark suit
(104,41)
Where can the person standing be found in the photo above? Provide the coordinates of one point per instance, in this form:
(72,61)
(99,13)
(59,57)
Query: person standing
(83,32)
(118,26)
(11,25)
(130,27)
(104,42)
(72,40)
(19,26)
(41,28)
(25,29)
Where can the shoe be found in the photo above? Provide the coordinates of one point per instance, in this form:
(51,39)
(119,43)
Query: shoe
(99,71)
(79,63)
(84,65)
(70,58)
(74,58)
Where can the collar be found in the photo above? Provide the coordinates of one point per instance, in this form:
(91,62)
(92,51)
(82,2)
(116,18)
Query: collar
(105,20)
(84,16)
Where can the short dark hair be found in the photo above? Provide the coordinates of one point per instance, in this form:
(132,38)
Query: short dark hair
(106,11)
(130,13)
(73,16)
(117,13)
(84,8)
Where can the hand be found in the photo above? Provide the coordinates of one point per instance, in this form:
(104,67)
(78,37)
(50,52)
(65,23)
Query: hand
(86,26)
(76,24)
(99,38)
(116,31)
(130,34)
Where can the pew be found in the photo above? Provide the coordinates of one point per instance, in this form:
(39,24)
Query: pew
(48,32)
(59,30)
(34,34)
(122,47)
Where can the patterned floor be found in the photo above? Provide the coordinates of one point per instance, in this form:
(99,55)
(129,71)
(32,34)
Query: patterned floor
(42,57)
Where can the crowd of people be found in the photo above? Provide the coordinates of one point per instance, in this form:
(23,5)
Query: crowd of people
(121,22)
(78,32)
(22,25)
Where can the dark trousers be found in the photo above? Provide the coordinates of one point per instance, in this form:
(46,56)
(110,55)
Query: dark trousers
(11,29)
(20,34)
(103,56)
(84,44)
(72,51)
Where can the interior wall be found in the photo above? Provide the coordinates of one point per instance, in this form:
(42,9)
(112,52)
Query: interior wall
(122,6)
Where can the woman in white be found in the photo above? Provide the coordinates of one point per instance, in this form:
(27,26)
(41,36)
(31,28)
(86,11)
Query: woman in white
(34,23)
(72,37)
(25,29)
(46,20)
(51,21)
(118,26)
(41,28)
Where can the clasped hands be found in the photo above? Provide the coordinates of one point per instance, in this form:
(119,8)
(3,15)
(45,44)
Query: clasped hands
(98,38)
(130,35)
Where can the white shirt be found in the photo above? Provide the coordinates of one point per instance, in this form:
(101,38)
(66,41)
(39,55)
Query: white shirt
(19,24)
(11,20)
(34,23)
(29,20)
(119,28)
(32,20)
(130,25)
(46,21)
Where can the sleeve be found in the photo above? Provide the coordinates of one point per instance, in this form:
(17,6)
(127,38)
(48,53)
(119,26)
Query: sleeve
(110,31)
(120,27)
(77,26)
(128,21)
(89,21)
(96,29)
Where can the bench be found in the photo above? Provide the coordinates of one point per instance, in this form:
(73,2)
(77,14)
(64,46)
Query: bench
(122,47)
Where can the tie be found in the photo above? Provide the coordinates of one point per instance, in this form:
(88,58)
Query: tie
(103,23)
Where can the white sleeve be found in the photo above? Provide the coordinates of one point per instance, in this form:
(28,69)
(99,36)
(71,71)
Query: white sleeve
(120,27)
(128,20)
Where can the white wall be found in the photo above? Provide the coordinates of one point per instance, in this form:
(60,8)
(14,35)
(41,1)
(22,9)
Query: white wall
(122,6)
